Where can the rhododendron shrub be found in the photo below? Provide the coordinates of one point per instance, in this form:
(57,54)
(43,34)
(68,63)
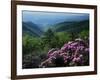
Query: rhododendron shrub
(72,53)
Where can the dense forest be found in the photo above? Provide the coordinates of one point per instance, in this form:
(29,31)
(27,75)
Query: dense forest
(62,44)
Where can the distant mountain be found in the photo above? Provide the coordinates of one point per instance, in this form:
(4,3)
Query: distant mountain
(44,26)
(31,29)
(74,26)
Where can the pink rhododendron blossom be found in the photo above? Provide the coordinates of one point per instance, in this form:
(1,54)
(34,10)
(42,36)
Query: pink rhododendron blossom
(71,53)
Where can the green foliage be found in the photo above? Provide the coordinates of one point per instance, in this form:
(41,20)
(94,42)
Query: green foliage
(73,35)
(63,37)
(49,40)
(30,44)
(84,34)
(41,45)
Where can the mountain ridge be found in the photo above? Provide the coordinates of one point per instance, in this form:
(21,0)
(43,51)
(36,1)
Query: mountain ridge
(31,29)
(72,26)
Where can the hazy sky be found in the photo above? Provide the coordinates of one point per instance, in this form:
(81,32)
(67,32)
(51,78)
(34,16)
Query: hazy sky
(45,18)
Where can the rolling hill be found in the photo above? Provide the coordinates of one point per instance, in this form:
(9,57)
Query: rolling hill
(31,29)
(73,26)
(77,26)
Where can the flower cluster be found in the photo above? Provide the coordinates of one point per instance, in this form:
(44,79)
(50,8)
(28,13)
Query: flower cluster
(73,53)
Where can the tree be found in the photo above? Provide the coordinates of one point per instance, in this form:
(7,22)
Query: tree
(63,37)
(30,44)
(84,34)
(48,37)
(73,35)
